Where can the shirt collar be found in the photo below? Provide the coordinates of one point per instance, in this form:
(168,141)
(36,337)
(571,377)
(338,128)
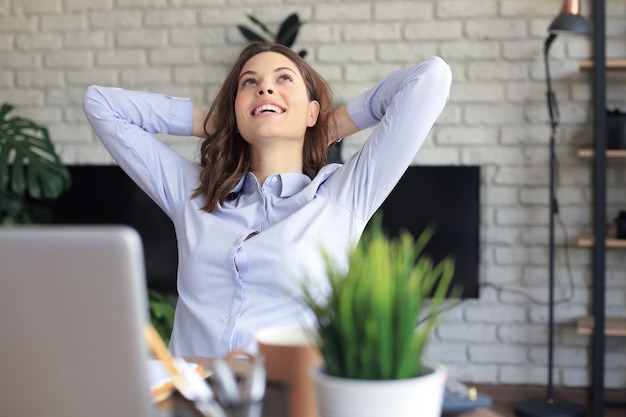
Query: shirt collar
(290,183)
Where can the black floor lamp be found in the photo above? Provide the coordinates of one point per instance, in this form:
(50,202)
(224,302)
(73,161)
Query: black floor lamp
(569,21)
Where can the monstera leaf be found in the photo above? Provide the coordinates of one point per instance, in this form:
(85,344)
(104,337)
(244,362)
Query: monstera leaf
(29,164)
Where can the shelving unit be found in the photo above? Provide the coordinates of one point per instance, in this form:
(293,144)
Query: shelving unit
(598,325)
(612,326)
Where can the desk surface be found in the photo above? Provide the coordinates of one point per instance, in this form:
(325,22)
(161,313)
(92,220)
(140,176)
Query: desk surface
(272,408)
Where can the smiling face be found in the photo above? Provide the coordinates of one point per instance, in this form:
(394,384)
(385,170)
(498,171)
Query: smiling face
(272,103)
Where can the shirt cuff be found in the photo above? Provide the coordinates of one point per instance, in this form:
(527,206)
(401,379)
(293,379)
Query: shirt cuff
(181,117)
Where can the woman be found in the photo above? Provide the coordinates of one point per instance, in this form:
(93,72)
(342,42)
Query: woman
(253,218)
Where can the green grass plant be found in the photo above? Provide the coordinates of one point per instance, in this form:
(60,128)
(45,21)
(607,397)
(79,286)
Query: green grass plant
(375,320)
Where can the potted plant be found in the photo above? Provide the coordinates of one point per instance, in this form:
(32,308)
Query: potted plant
(286,35)
(373,323)
(30,170)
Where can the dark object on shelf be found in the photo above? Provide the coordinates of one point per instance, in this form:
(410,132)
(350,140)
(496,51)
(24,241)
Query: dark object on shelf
(620,225)
(615,129)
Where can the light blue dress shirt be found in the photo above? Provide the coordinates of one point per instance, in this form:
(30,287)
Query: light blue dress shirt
(230,287)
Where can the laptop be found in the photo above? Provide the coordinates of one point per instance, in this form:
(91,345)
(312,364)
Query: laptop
(72,306)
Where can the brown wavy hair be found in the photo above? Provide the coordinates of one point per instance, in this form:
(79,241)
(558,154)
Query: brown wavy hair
(225,155)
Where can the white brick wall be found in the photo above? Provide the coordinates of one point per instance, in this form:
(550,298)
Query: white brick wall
(50,50)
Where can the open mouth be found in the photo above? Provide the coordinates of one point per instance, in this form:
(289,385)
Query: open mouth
(267,108)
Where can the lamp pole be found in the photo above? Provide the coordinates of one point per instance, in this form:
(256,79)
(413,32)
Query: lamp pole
(568,21)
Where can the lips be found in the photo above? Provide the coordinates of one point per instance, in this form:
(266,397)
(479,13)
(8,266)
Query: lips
(267,109)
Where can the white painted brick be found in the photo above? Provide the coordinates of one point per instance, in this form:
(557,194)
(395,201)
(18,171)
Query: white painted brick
(38,41)
(145,76)
(68,59)
(468,50)
(37,6)
(84,77)
(65,97)
(496,195)
(38,78)
(501,275)
(466,136)
(42,115)
(170,18)
(13,24)
(438,156)
(65,133)
(466,9)
(496,29)
(403,10)
(497,354)
(405,53)
(198,75)
(480,92)
(367,32)
(6,79)
(615,379)
(89,40)
(141,38)
(483,333)
(515,8)
(87,5)
(13,60)
(141,3)
(499,314)
(523,375)
(319,33)
(174,56)
(63,23)
(336,54)
(433,30)
(563,315)
(446,353)
(473,373)
(575,378)
(233,16)
(22,97)
(572,357)
(525,335)
(366,73)
(198,36)
(115,20)
(343,12)
(120,58)
(499,235)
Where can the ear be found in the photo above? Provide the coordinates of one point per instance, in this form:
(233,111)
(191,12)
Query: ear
(314,112)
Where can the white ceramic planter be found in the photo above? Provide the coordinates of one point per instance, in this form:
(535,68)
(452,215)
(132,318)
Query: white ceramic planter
(413,397)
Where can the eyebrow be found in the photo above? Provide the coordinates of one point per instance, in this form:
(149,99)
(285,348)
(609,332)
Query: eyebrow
(279,69)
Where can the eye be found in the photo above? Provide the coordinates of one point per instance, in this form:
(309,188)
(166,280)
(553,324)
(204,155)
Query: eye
(285,77)
(248,81)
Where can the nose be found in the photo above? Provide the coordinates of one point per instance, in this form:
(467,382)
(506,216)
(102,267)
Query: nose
(262,91)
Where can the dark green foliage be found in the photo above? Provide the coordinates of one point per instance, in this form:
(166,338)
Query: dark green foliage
(29,168)
(161,313)
(286,35)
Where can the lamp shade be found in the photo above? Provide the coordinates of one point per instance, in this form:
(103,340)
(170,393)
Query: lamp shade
(569,21)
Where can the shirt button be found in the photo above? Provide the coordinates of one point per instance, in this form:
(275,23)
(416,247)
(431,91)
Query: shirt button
(274,179)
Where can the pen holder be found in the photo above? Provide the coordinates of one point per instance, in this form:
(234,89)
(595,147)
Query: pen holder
(620,225)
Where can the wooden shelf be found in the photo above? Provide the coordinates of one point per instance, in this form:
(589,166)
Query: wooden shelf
(610,153)
(587,242)
(612,326)
(611,64)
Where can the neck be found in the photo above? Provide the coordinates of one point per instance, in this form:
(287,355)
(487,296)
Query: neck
(270,160)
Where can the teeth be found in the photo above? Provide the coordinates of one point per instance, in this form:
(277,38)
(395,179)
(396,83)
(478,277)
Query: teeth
(267,108)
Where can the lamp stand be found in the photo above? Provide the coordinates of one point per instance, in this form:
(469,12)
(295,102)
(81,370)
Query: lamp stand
(549,407)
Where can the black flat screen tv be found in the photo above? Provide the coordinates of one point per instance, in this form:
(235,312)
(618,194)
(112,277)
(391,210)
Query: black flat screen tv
(443,196)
